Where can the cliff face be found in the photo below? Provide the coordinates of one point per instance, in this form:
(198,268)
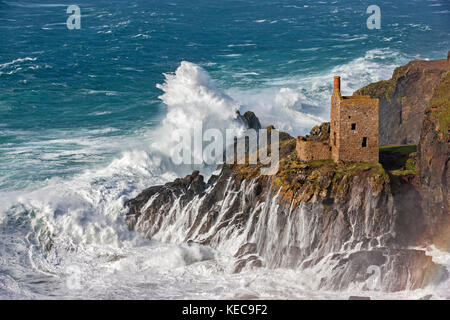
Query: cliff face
(352,225)
(433,163)
(342,221)
(404,98)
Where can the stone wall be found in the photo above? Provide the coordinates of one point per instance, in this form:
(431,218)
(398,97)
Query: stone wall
(354,128)
(312,150)
(359,130)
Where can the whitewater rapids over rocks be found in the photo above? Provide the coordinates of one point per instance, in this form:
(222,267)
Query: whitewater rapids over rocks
(68,237)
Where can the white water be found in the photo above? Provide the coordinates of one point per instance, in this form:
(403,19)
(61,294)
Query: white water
(296,104)
(91,254)
(191,97)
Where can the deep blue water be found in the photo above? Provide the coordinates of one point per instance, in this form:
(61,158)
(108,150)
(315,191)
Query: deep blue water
(81,117)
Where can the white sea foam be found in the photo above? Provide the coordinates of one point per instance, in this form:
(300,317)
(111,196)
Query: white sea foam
(100,113)
(242,45)
(105,92)
(6,64)
(35,5)
(191,97)
(82,218)
(232,55)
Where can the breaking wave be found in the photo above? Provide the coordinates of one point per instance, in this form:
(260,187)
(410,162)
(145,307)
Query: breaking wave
(296,104)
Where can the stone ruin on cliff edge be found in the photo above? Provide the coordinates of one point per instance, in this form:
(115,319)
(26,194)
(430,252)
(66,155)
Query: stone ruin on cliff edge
(351,135)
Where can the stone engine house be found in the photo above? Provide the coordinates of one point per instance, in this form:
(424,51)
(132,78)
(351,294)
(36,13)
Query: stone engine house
(351,135)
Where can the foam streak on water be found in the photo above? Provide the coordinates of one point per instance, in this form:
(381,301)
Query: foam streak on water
(83,127)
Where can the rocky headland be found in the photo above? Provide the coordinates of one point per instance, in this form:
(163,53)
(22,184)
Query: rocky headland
(344,221)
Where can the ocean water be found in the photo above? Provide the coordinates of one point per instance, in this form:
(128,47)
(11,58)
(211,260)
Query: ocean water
(86,118)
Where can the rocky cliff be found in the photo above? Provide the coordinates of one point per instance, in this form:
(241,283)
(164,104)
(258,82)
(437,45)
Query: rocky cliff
(404,98)
(354,224)
(433,164)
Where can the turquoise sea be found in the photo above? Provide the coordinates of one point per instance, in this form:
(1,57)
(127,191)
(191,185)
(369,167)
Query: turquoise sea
(86,116)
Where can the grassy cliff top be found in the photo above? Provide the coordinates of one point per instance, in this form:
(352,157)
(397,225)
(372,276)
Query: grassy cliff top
(399,159)
(383,88)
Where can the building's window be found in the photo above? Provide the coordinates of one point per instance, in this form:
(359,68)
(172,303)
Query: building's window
(330,148)
(353,126)
(334,138)
(349,117)
(364,142)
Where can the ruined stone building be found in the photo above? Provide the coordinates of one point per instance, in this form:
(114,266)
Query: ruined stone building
(351,135)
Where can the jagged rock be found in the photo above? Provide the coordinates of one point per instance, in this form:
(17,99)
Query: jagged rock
(148,205)
(398,268)
(248,248)
(267,221)
(319,133)
(250,262)
(250,119)
(283,136)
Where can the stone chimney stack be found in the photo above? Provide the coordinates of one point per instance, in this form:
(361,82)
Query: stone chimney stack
(448,56)
(337,84)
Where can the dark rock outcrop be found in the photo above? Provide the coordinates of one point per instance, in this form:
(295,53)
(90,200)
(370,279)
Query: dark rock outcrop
(433,163)
(349,224)
(157,199)
(309,215)
(250,119)
(404,98)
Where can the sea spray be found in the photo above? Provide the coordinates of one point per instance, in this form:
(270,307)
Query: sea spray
(79,221)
